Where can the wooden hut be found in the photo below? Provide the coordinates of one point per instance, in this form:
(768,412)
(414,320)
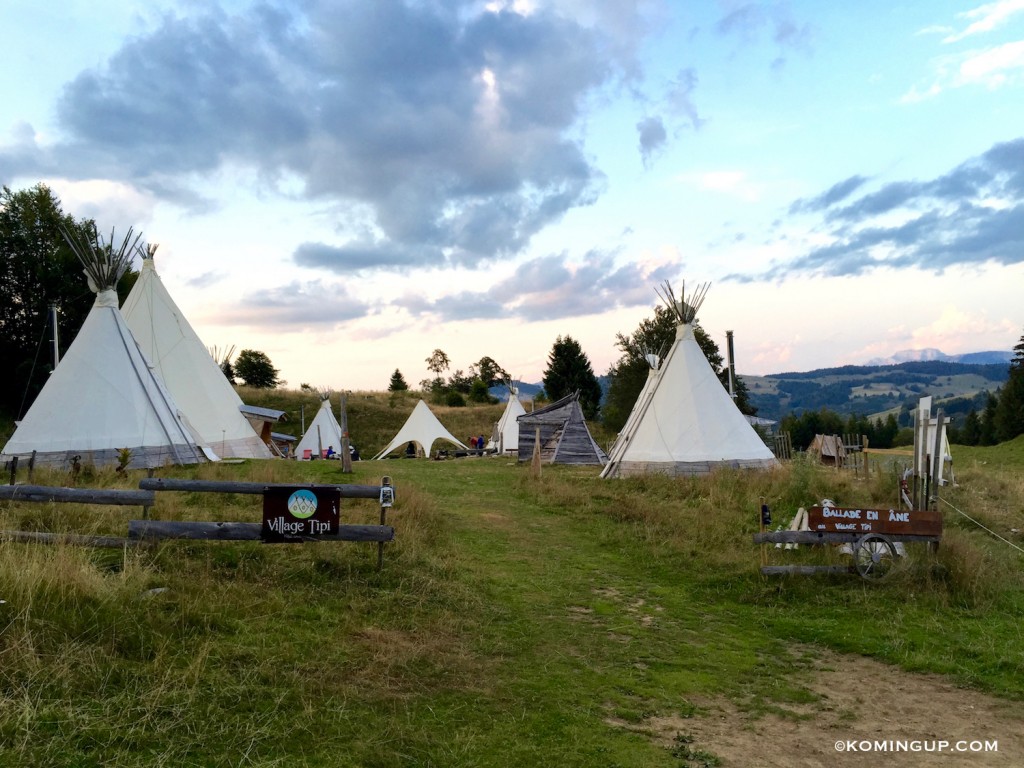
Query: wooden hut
(829,449)
(564,437)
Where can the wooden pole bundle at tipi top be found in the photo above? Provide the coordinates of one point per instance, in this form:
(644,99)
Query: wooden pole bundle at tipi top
(104,399)
(684,309)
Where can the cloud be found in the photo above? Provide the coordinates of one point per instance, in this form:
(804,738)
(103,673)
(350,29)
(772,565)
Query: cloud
(750,21)
(986,18)
(995,67)
(315,304)
(679,97)
(206,279)
(452,122)
(652,138)
(551,288)
(361,256)
(834,194)
(971,215)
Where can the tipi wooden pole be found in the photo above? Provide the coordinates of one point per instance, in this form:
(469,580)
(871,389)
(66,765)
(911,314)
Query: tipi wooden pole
(319,443)
(764,551)
(346,451)
(535,460)
(14,470)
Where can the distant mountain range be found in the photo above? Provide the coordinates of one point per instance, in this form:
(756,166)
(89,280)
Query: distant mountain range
(874,390)
(921,355)
(894,384)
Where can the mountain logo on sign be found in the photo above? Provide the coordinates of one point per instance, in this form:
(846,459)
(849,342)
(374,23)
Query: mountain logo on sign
(302,504)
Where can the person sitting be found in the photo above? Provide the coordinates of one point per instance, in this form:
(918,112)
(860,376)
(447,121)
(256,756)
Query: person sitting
(353,452)
(330,454)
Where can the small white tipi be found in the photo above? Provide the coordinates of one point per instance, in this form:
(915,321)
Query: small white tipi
(684,422)
(104,397)
(324,432)
(506,431)
(187,368)
(421,428)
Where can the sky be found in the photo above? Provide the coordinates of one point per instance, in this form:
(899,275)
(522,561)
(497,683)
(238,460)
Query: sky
(348,186)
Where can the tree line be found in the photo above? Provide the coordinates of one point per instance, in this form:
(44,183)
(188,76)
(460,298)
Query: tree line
(38,269)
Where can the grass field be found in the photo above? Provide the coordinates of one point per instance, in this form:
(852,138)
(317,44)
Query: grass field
(517,621)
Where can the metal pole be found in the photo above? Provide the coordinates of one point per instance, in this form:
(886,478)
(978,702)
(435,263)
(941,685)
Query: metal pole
(346,449)
(56,341)
(731,363)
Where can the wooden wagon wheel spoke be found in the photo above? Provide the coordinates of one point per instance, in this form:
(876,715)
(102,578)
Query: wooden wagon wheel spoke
(874,556)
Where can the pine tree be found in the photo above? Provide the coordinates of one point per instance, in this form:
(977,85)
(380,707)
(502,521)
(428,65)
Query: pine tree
(397,382)
(987,433)
(970,434)
(569,371)
(1009,414)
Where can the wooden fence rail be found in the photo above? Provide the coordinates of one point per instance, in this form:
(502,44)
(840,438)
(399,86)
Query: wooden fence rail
(44,493)
(145,532)
(234,531)
(230,486)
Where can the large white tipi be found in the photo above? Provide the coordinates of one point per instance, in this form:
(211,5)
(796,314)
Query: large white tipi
(684,422)
(104,397)
(505,438)
(324,432)
(187,369)
(422,429)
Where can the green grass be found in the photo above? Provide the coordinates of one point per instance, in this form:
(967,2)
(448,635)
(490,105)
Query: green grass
(515,620)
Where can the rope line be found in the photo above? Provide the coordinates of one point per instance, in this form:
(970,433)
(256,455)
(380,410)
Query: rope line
(982,526)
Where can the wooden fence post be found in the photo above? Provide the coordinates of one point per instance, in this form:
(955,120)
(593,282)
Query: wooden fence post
(145,510)
(387,498)
(535,459)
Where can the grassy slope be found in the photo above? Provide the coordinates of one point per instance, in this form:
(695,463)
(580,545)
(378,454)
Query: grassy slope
(514,619)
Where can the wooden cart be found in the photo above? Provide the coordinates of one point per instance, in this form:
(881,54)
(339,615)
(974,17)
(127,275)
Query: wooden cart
(873,535)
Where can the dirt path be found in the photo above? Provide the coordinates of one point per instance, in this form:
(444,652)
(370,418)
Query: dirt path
(861,701)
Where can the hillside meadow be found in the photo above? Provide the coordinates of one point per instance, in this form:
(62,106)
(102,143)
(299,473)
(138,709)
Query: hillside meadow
(518,620)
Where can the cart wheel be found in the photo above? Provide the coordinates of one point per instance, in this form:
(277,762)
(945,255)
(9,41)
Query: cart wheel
(875,556)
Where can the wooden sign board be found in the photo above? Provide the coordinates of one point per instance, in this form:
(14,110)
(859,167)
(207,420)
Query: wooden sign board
(891,522)
(300,512)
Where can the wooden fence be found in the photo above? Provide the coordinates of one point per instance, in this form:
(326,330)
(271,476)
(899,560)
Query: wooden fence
(146,531)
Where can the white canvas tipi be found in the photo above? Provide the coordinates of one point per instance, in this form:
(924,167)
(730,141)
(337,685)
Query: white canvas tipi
(103,397)
(506,432)
(684,422)
(324,432)
(187,369)
(421,428)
